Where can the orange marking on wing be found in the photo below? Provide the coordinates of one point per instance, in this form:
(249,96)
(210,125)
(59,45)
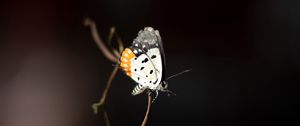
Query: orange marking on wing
(125,59)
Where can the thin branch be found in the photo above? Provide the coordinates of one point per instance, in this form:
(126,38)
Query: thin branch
(112,56)
(106,119)
(112,31)
(101,102)
(90,23)
(111,34)
(148,110)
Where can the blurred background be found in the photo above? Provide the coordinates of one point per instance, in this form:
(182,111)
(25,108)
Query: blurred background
(244,56)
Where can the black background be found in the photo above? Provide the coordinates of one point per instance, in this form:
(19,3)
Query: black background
(244,56)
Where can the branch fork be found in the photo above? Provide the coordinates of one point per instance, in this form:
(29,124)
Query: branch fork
(111,55)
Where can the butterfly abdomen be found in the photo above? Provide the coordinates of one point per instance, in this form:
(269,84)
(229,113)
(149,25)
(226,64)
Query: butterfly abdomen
(138,89)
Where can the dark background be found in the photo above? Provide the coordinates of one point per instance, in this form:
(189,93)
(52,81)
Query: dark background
(244,56)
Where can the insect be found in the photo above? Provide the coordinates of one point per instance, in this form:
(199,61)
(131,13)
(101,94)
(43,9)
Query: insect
(144,62)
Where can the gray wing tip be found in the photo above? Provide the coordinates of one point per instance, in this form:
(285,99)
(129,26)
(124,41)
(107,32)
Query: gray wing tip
(148,35)
(148,29)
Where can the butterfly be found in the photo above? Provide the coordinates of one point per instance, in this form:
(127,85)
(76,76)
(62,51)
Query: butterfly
(144,62)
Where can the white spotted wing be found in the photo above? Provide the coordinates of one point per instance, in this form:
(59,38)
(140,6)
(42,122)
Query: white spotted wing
(147,71)
(147,68)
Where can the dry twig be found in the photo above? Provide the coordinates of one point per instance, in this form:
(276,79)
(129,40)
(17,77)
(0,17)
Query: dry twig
(148,110)
(102,100)
(90,23)
(112,56)
(106,119)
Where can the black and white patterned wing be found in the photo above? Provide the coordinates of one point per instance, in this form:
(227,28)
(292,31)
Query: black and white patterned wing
(149,64)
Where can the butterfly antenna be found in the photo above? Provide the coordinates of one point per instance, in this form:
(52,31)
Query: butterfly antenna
(188,70)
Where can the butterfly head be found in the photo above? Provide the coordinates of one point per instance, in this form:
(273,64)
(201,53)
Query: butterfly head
(163,88)
(163,85)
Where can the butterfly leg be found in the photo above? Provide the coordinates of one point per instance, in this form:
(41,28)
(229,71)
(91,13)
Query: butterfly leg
(169,92)
(156,95)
